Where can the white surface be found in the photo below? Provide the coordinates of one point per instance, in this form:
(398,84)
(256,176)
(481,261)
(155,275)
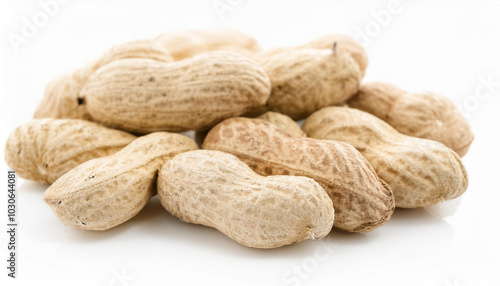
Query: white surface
(446,47)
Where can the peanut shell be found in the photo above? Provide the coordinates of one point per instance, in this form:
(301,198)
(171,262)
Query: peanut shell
(105,192)
(62,94)
(218,190)
(361,200)
(185,44)
(142,96)
(345,44)
(284,122)
(305,80)
(420,172)
(42,150)
(424,115)
(278,119)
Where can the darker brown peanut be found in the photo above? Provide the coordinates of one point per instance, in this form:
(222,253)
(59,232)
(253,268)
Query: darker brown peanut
(361,200)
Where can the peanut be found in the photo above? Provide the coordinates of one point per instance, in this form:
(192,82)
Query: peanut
(61,99)
(43,150)
(424,115)
(185,44)
(420,172)
(284,122)
(218,190)
(305,80)
(142,96)
(278,119)
(361,200)
(345,44)
(105,192)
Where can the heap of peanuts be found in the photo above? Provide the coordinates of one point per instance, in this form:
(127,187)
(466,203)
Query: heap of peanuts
(104,138)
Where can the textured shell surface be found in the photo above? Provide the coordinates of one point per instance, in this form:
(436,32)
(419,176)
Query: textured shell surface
(420,172)
(284,122)
(361,200)
(424,115)
(43,150)
(62,94)
(345,44)
(188,43)
(105,192)
(194,94)
(305,80)
(218,190)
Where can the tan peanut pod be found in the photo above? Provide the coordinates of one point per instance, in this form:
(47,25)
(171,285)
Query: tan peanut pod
(284,122)
(142,96)
(424,115)
(105,192)
(218,190)
(420,172)
(345,44)
(361,200)
(185,44)
(305,80)
(42,150)
(61,99)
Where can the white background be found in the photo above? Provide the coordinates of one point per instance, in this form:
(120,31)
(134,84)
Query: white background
(447,47)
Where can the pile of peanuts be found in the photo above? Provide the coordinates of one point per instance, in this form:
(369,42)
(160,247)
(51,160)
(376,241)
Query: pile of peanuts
(105,138)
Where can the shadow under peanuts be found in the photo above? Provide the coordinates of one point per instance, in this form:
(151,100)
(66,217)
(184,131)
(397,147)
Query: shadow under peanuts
(348,238)
(406,227)
(173,231)
(445,209)
(411,237)
(431,215)
(28,186)
(75,235)
(156,221)
(415,233)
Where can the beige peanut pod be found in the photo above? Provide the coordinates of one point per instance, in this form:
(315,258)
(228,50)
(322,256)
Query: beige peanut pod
(42,150)
(361,200)
(105,192)
(144,96)
(61,99)
(218,190)
(420,172)
(284,122)
(185,44)
(305,80)
(345,44)
(424,115)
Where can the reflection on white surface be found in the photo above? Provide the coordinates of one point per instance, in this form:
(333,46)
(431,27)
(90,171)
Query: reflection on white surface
(154,242)
(439,242)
